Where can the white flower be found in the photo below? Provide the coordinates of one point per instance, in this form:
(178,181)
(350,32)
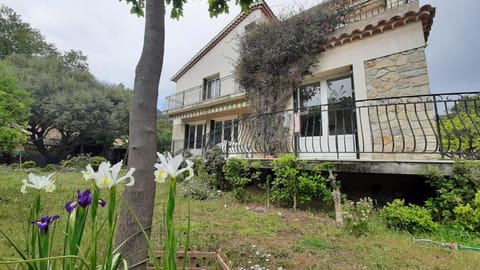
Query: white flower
(38,183)
(107,175)
(169,167)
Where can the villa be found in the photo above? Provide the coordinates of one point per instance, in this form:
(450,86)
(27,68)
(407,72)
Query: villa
(371,96)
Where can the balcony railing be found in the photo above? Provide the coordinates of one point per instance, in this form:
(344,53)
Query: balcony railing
(410,127)
(198,94)
(364,9)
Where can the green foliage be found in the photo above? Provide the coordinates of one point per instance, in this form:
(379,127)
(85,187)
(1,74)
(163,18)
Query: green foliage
(69,102)
(356,216)
(14,111)
(164,135)
(453,191)
(238,174)
(276,55)
(468,215)
(29,164)
(18,37)
(214,162)
(78,162)
(411,218)
(51,167)
(460,131)
(296,181)
(215,7)
(96,160)
(199,188)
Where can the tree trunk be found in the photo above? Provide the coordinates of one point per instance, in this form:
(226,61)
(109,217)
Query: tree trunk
(142,126)
(337,199)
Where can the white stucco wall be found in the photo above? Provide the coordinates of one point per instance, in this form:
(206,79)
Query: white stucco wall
(356,53)
(220,59)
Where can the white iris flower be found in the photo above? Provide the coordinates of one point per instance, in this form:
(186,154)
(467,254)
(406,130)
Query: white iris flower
(107,175)
(38,183)
(169,167)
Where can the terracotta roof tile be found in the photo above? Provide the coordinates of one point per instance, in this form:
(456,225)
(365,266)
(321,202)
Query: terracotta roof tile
(425,14)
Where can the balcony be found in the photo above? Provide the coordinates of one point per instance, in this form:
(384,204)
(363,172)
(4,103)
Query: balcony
(425,127)
(224,89)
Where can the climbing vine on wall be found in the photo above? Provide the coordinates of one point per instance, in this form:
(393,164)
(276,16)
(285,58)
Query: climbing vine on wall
(276,55)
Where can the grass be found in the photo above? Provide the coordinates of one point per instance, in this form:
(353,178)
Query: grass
(277,238)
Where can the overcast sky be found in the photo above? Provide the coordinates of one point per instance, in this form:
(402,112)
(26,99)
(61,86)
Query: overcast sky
(112,38)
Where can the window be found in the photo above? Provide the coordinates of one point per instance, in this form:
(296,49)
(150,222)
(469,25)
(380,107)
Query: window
(326,107)
(341,113)
(211,88)
(194,138)
(224,131)
(310,110)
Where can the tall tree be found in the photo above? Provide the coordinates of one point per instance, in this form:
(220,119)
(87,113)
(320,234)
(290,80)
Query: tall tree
(14,111)
(18,37)
(142,119)
(70,106)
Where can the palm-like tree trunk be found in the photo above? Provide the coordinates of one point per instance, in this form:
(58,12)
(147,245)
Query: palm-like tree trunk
(142,148)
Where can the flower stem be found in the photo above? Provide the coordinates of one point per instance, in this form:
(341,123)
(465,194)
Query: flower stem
(170,258)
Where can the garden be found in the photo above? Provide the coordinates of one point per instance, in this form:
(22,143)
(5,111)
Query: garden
(254,217)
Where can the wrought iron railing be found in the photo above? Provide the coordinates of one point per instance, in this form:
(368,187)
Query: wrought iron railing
(435,126)
(364,9)
(198,95)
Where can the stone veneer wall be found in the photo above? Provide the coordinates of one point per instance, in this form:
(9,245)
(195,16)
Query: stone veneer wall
(400,127)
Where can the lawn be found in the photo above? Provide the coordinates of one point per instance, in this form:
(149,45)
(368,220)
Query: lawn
(276,239)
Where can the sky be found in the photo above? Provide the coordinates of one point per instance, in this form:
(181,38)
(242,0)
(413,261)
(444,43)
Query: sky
(112,38)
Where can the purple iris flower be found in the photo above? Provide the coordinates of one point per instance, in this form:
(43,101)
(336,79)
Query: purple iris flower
(84,199)
(43,222)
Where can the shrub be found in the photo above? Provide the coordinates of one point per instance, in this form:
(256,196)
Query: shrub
(411,218)
(453,191)
(199,189)
(214,162)
(297,182)
(51,167)
(357,216)
(29,164)
(96,160)
(238,174)
(79,161)
(468,216)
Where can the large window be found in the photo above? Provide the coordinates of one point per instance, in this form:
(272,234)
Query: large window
(211,88)
(326,107)
(309,105)
(224,131)
(341,113)
(194,138)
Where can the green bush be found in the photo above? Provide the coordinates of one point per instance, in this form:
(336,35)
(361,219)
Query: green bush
(411,218)
(29,164)
(357,215)
(51,167)
(452,191)
(214,161)
(14,166)
(238,174)
(198,189)
(96,160)
(468,216)
(297,182)
(78,162)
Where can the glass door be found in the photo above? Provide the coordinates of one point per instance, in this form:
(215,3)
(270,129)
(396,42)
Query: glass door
(327,119)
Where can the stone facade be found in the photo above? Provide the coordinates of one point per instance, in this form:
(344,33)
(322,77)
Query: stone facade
(401,74)
(400,125)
